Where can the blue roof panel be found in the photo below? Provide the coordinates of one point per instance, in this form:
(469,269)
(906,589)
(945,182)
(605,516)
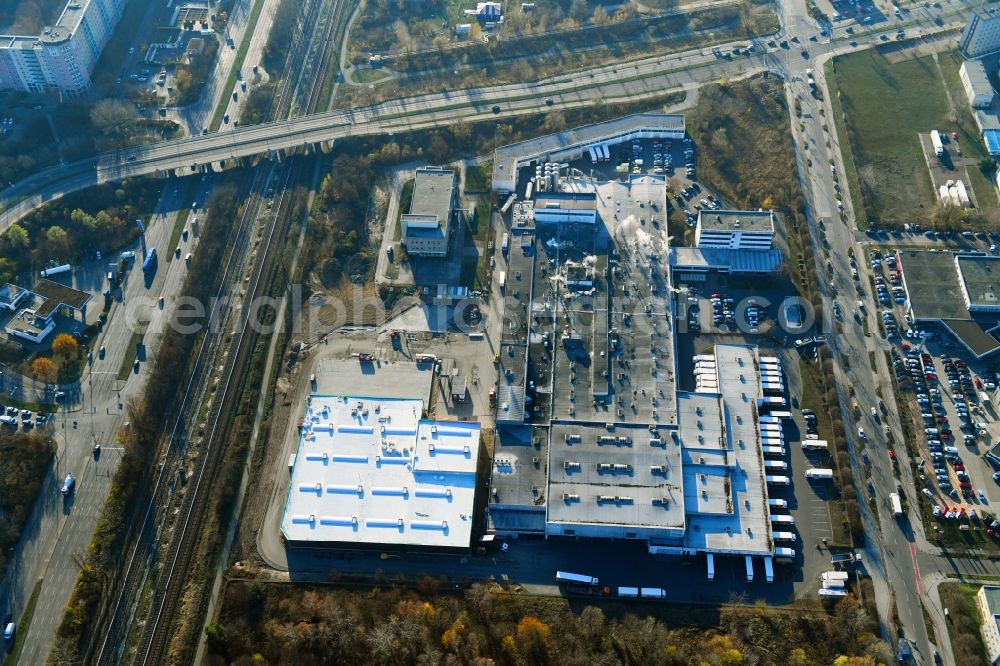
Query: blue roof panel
(992,139)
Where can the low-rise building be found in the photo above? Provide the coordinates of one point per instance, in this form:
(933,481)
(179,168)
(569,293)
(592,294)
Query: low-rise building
(426,227)
(735,229)
(977,84)
(988,601)
(38,307)
(953,291)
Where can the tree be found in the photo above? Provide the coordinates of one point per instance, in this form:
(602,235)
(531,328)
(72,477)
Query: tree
(987,165)
(115,120)
(17,237)
(215,638)
(58,241)
(44,369)
(64,346)
(532,637)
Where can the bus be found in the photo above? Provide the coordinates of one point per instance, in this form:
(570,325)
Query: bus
(814,445)
(579,579)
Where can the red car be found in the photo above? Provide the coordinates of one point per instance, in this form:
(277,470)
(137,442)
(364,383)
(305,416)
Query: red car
(716,295)
(960,364)
(946,436)
(892,455)
(979,383)
(959,467)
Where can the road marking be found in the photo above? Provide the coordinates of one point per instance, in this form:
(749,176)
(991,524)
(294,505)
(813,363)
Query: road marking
(916,569)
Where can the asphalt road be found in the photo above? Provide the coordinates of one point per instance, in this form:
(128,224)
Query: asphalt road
(59,530)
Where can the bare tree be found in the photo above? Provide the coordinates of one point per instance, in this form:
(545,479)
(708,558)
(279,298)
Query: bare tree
(116,121)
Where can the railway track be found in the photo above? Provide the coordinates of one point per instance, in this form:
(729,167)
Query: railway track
(156,634)
(170,581)
(133,575)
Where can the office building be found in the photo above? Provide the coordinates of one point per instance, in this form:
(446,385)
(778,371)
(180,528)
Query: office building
(63,56)
(735,229)
(982,33)
(426,227)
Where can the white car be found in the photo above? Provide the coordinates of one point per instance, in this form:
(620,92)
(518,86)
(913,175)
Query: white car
(861,433)
(67,486)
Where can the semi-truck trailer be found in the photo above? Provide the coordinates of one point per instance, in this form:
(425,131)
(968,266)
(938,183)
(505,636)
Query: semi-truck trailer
(579,579)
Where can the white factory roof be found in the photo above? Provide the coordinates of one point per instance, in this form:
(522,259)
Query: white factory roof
(371,471)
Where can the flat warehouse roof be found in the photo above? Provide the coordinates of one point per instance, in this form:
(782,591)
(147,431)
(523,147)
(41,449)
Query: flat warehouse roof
(725,491)
(973,336)
(614,477)
(976,72)
(371,471)
(932,285)
(980,278)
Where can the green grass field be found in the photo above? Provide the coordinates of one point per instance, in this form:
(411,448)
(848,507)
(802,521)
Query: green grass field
(891,172)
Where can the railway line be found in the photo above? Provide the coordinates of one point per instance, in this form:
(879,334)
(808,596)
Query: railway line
(134,574)
(170,580)
(156,633)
